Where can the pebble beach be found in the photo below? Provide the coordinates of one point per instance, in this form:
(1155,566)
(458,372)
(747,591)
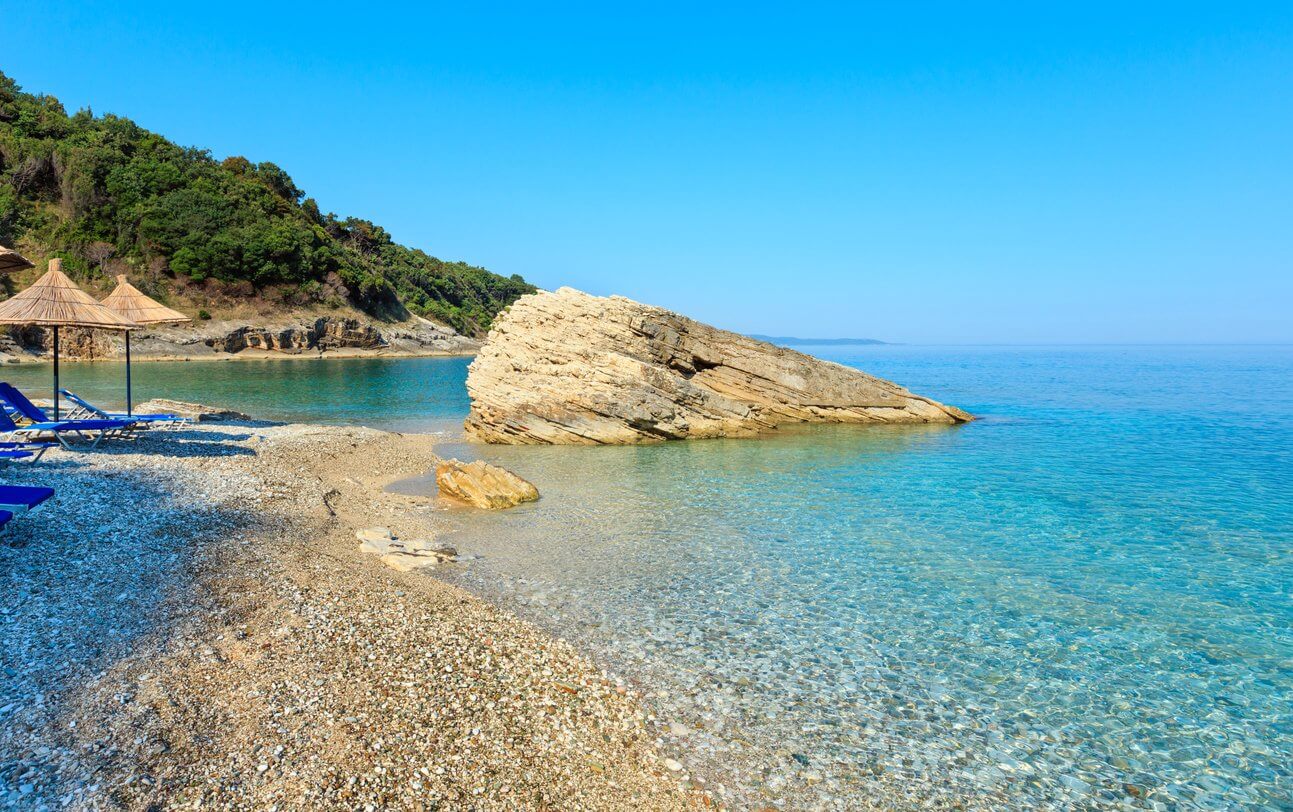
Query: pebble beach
(190,623)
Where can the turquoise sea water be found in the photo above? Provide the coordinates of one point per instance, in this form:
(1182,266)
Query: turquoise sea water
(1082,600)
(395,393)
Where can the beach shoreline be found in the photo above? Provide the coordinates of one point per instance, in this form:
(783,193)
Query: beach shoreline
(244,355)
(210,634)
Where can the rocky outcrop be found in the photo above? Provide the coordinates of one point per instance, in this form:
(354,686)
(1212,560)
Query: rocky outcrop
(568,367)
(317,335)
(32,343)
(196,412)
(322,335)
(483,485)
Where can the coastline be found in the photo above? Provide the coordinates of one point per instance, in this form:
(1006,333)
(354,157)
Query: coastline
(245,355)
(299,335)
(222,641)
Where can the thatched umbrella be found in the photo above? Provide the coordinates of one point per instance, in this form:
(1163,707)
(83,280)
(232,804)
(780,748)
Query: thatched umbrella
(11,260)
(128,301)
(55,301)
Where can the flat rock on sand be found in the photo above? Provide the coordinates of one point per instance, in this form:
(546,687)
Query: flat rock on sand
(196,412)
(219,640)
(567,367)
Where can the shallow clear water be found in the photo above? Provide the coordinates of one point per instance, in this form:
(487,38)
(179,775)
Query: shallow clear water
(1084,599)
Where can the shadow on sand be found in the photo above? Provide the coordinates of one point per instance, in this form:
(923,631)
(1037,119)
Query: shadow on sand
(83,579)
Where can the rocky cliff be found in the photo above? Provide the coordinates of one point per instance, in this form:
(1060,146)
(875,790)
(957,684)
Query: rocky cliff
(301,335)
(568,367)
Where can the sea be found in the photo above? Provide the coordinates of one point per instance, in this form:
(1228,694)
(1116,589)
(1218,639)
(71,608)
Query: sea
(1081,600)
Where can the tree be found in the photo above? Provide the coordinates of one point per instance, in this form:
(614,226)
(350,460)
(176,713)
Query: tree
(106,190)
(99,253)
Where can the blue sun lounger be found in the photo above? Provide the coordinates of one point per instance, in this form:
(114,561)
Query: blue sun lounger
(16,499)
(98,429)
(89,411)
(18,451)
(41,424)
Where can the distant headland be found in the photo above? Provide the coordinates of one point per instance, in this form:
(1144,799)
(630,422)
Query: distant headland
(835,341)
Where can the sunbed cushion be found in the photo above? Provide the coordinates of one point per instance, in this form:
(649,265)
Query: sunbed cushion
(28,496)
(69,425)
(83,425)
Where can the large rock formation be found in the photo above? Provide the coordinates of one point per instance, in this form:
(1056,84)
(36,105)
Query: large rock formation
(567,367)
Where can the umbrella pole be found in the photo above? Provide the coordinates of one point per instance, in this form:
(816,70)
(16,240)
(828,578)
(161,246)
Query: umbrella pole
(129,402)
(56,372)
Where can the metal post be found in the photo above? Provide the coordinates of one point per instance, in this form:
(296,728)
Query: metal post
(129,402)
(56,372)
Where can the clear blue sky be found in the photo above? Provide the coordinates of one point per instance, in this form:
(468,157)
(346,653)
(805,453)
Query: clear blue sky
(913,172)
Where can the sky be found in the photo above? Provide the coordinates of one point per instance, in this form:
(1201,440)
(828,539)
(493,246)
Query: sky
(920,173)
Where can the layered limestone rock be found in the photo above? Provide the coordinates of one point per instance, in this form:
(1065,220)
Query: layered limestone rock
(568,367)
(483,485)
(323,335)
(38,342)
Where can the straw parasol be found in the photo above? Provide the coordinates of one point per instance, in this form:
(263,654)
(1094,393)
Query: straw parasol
(127,300)
(11,260)
(55,301)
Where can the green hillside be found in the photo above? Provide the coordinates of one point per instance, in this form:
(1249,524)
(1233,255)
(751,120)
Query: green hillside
(112,197)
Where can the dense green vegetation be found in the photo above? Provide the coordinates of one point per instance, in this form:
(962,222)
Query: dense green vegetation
(108,195)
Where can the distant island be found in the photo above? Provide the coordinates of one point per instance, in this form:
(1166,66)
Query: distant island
(835,341)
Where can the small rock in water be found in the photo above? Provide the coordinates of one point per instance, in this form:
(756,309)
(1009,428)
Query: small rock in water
(375,534)
(672,765)
(442,551)
(483,485)
(801,758)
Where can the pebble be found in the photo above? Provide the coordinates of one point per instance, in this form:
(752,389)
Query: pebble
(282,645)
